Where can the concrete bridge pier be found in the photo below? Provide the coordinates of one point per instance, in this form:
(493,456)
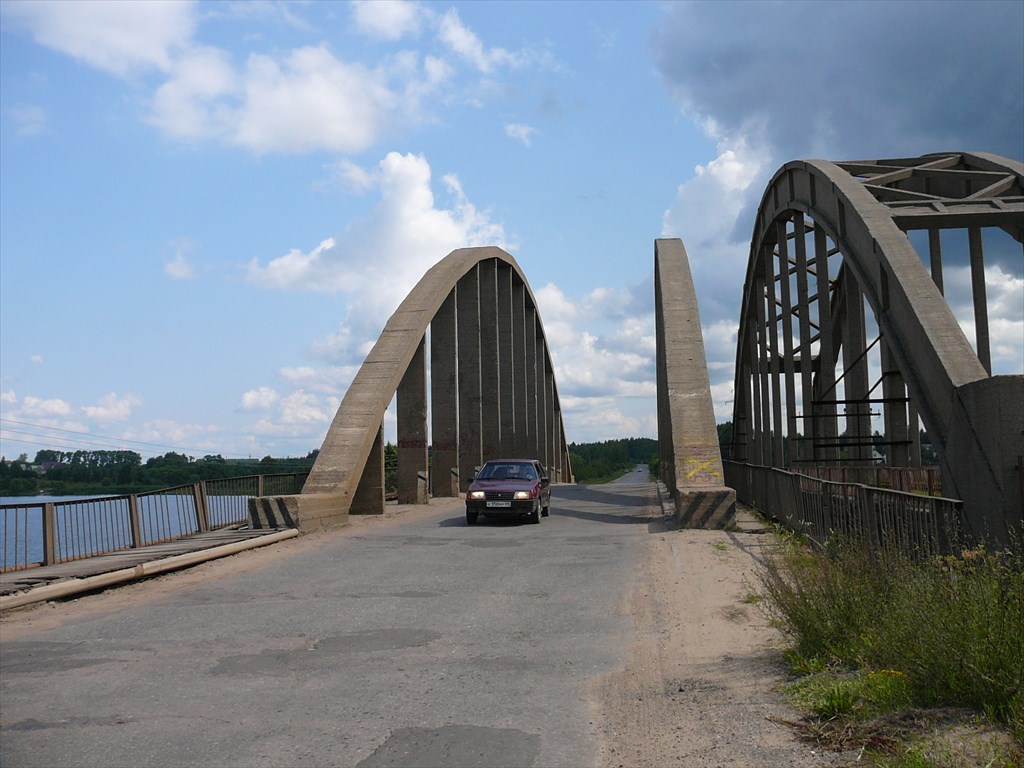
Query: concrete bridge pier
(687,435)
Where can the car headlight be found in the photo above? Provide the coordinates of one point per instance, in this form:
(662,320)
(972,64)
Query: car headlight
(476,494)
(523,495)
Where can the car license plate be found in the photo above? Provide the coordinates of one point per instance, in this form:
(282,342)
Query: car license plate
(505,504)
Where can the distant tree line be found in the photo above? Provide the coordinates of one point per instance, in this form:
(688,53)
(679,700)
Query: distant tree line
(65,472)
(600,462)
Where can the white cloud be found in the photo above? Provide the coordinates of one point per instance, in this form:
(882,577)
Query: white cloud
(35,406)
(299,413)
(112,408)
(387,20)
(178,268)
(380,258)
(36,359)
(8,397)
(191,104)
(259,399)
(464,42)
(29,119)
(1005,300)
(193,437)
(520,132)
(311,100)
(118,37)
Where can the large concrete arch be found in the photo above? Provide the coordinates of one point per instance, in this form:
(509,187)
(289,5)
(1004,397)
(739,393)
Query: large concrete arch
(689,455)
(830,238)
(492,392)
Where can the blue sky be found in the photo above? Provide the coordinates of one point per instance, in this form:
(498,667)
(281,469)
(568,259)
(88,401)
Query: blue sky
(209,210)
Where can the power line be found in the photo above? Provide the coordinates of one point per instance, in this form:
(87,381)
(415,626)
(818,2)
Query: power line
(118,442)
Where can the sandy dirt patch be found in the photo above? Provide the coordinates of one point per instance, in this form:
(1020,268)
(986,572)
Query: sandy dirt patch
(699,685)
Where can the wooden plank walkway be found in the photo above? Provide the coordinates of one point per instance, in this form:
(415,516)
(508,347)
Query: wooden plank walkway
(31,578)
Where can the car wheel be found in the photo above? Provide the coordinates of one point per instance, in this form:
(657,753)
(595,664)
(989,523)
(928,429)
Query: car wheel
(471,517)
(535,515)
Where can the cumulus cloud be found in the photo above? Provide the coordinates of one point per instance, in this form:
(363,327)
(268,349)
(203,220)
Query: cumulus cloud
(602,347)
(1005,299)
(520,132)
(36,406)
(259,399)
(179,268)
(192,103)
(464,42)
(387,20)
(120,38)
(298,413)
(380,258)
(301,100)
(112,408)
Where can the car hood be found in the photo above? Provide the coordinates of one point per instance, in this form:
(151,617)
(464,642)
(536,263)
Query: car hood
(502,485)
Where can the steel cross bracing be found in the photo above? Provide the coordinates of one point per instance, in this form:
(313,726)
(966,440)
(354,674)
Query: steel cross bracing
(839,305)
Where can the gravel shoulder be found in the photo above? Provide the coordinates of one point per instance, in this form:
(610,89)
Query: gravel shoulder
(698,688)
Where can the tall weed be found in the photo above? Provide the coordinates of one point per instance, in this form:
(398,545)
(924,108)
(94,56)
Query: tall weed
(954,626)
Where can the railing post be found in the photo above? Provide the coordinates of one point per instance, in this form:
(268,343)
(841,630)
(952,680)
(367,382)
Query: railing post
(259,486)
(133,520)
(870,515)
(199,495)
(826,509)
(49,534)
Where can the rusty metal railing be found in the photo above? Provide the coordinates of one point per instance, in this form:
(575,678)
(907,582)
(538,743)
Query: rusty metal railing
(47,532)
(821,509)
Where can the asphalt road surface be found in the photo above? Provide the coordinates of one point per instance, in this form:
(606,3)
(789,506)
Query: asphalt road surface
(421,643)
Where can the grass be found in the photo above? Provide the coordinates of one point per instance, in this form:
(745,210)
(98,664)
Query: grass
(877,635)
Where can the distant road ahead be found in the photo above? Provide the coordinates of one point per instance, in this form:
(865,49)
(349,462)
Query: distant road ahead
(418,643)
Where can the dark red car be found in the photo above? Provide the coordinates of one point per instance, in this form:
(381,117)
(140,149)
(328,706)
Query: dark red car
(509,487)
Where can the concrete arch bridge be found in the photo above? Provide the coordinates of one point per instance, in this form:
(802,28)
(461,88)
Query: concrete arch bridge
(843,332)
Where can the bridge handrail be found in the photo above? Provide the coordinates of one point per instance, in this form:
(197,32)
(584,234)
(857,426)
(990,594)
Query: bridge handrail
(819,509)
(36,533)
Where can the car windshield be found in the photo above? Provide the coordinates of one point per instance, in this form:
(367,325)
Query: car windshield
(507,470)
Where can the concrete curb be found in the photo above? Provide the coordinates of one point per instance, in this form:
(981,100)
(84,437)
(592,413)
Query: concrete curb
(152,568)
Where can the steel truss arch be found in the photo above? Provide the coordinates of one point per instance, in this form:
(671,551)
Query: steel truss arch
(831,239)
(492,392)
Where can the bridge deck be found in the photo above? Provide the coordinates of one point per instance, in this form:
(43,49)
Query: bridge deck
(34,578)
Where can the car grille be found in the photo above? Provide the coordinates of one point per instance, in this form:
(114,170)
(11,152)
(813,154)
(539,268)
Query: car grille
(499,495)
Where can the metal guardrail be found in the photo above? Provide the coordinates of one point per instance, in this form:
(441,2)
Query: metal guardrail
(819,509)
(926,480)
(45,533)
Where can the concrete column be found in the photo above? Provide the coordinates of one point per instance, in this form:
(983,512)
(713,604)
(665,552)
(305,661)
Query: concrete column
(506,384)
(788,367)
(776,429)
(807,424)
(491,371)
(444,403)
(553,447)
(894,391)
(826,430)
(412,429)
(763,409)
(981,336)
(468,313)
(665,448)
(369,498)
(935,256)
(544,405)
(521,437)
(533,446)
(855,370)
